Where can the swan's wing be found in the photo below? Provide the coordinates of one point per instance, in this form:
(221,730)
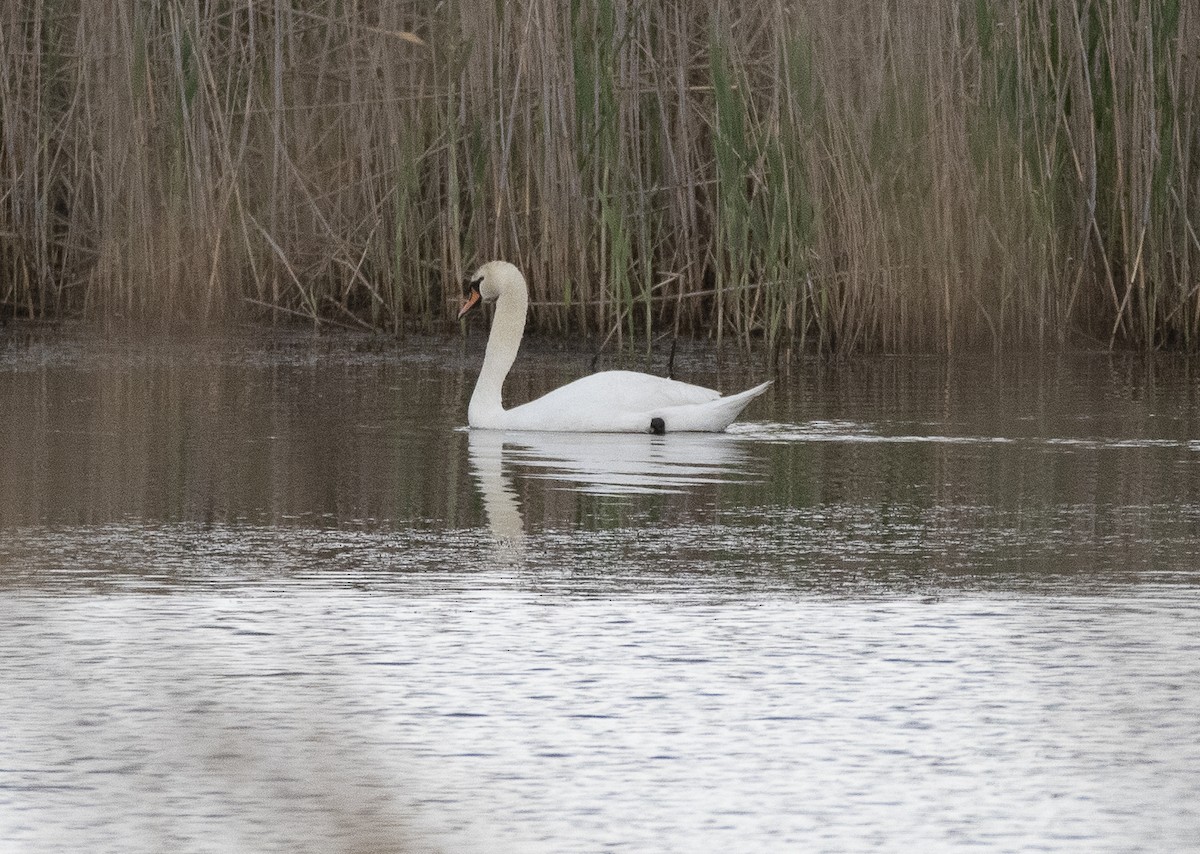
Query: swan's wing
(644,392)
(611,400)
(626,391)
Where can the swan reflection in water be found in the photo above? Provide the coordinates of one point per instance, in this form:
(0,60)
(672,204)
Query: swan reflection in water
(597,464)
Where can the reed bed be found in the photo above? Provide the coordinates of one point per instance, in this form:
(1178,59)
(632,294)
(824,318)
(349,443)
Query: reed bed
(840,175)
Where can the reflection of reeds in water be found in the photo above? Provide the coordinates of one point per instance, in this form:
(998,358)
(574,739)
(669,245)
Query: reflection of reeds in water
(862,175)
(129,428)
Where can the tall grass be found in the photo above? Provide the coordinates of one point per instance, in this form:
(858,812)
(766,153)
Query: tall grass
(836,174)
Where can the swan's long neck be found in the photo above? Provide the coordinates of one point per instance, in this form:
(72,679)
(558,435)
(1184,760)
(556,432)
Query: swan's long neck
(508,325)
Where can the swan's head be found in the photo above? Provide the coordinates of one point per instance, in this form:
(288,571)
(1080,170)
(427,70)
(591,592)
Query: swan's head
(492,281)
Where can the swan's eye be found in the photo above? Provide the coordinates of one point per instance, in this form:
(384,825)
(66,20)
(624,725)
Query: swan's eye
(471,285)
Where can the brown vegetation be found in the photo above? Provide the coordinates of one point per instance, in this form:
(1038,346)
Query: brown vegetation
(838,174)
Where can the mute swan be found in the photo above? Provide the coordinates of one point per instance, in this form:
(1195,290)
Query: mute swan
(607,402)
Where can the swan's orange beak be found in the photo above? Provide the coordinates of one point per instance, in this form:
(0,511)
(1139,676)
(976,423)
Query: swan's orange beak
(471,292)
(472,301)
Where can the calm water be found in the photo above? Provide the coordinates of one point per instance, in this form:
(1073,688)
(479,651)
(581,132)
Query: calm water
(268,595)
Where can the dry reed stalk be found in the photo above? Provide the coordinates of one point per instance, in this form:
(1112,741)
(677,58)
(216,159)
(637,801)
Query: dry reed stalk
(840,175)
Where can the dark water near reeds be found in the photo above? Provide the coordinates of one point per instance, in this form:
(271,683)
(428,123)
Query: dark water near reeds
(266,595)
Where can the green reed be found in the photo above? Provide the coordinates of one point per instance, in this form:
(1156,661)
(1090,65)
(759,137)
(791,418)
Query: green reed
(925,175)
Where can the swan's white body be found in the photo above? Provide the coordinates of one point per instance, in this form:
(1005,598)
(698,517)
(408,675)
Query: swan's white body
(608,402)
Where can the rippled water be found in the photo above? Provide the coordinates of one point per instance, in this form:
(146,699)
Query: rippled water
(268,595)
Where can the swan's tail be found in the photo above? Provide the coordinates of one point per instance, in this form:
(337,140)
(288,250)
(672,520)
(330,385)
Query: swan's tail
(714,415)
(735,403)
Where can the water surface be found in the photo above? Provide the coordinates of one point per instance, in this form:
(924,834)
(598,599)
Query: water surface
(268,594)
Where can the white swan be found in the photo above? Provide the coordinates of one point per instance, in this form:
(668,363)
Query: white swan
(608,402)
